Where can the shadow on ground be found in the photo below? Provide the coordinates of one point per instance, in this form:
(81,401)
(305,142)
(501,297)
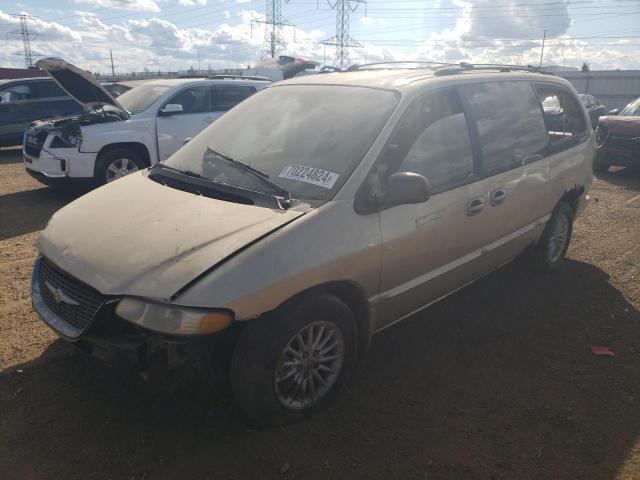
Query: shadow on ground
(29,210)
(497,381)
(628,177)
(10,155)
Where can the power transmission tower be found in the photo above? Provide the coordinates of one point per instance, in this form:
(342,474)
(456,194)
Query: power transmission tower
(342,41)
(274,43)
(25,35)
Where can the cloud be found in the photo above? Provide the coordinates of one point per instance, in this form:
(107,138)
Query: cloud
(191,3)
(134,5)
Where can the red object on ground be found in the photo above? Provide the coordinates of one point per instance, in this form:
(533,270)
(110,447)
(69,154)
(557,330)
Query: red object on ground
(601,350)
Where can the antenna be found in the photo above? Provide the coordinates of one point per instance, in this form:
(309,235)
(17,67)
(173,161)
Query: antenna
(25,35)
(342,41)
(274,43)
(112,66)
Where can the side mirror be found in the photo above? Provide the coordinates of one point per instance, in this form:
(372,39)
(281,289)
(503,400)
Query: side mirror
(613,112)
(171,108)
(404,188)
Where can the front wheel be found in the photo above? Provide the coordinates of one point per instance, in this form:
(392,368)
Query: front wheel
(548,254)
(117,163)
(292,364)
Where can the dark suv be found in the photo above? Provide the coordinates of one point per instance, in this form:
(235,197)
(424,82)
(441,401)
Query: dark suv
(25,100)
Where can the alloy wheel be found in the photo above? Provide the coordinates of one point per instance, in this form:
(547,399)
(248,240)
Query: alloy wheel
(120,168)
(309,365)
(558,238)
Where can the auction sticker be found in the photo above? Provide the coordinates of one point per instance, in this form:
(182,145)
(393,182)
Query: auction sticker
(315,176)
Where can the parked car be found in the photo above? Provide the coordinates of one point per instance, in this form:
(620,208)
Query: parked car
(317,212)
(594,107)
(116,89)
(25,100)
(618,138)
(113,138)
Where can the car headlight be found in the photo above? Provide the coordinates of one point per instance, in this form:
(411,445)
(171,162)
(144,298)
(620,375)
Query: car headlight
(172,319)
(68,137)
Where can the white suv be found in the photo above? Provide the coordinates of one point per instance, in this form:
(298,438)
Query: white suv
(114,138)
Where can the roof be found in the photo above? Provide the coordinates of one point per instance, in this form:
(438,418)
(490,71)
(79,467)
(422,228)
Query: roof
(4,81)
(400,78)
(20,73)
(172,82)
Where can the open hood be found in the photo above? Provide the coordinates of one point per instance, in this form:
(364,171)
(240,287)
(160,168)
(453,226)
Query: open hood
(79,84)
(621,125)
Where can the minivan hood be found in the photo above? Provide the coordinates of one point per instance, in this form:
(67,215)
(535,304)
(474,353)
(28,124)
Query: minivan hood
(137,237)
(79,84)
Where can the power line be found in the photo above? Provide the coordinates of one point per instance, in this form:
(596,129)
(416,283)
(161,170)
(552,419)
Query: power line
(274,43)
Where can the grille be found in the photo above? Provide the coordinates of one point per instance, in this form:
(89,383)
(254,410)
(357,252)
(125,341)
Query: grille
(89,299)
(33,143)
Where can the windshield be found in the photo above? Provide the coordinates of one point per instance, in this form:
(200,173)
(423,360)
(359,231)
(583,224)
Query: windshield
(140,98)
(632,110)
(306,138)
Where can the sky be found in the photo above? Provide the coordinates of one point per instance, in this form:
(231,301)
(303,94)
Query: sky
(171,35)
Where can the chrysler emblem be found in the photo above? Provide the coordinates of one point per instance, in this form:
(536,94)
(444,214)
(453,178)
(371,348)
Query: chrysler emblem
(59,296)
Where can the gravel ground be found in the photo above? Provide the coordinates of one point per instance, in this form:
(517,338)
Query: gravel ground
(497,381)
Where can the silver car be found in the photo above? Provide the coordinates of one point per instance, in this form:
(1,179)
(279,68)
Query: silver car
(313,215)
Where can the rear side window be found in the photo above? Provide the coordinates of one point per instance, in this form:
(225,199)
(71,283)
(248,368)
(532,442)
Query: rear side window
(563,115)
(432,139)
(16,93)
(47,89)
(228,96)
(193,100)
(510,125)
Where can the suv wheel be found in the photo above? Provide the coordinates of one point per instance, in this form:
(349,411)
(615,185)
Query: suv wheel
(550,250)
(292,364)
(117,163)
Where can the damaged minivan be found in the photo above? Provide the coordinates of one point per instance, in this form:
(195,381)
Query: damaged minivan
(318,212)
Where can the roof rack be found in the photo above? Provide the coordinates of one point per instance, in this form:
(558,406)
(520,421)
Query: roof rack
(395,63)
(238,77)
(453,69)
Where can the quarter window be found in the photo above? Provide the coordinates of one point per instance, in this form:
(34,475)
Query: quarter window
(432,139)
(562,114)
(510,125)
(193,100)
(228,96)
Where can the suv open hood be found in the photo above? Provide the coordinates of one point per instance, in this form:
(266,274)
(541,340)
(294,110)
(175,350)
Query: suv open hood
(79,84)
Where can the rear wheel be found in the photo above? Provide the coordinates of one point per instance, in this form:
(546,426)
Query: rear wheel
(117,163)
(294,363)
(548,254)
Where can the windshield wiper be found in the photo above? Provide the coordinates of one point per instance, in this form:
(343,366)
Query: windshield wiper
(284,193)
(188,173)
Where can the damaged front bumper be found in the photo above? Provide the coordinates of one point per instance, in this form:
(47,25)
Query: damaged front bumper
(111,339)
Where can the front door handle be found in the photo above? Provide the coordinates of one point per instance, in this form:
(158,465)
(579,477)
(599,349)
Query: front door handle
(498,197)
(475,206)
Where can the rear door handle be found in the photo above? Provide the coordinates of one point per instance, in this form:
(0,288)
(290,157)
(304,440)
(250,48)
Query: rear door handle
(498,197)
(475,206)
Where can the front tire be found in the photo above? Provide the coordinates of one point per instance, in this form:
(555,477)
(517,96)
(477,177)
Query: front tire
(117,163)
(292,364)
(548,254)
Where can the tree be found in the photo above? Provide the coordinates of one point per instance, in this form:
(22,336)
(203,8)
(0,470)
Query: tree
(586,66)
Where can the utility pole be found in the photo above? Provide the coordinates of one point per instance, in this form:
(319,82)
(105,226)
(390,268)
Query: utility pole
(113,67)
(274,42)
(25,35)
(544,38)
(342,41)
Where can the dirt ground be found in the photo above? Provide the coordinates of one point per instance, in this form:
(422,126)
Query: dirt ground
(495,382)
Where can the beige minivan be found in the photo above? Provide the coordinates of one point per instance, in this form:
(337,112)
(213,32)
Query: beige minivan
(314,214)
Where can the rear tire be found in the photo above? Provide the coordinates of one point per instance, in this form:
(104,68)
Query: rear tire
(293,363)
(117,163)
(548,254)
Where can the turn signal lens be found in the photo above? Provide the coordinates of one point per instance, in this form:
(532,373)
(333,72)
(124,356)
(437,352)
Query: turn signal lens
(214,322)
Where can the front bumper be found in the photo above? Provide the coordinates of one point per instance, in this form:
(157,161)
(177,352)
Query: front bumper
(116,342)
(54,164)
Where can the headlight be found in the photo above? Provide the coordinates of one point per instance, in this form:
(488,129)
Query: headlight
(68,137)
(173,319)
